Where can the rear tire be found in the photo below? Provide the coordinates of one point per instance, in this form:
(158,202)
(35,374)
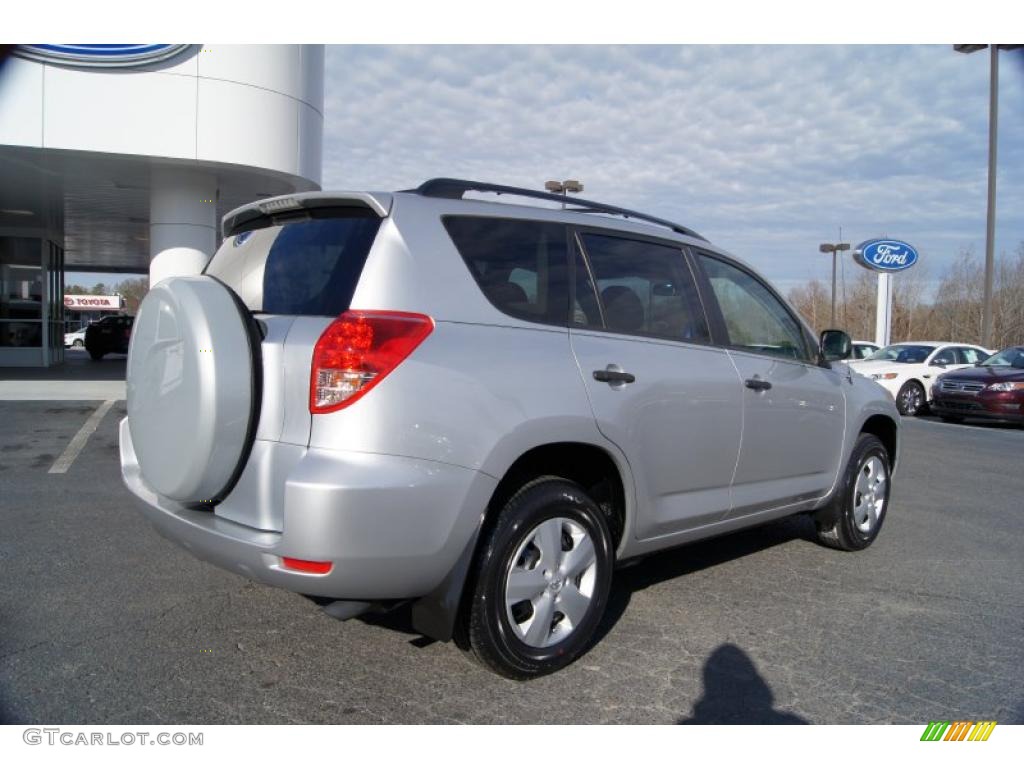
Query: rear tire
(96,355)
(853,519)
(77,343)
(541,581)
(910,400)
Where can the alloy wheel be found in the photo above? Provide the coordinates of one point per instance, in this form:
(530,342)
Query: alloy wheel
(911,400)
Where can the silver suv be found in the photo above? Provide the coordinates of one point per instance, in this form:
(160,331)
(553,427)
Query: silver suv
(481,408)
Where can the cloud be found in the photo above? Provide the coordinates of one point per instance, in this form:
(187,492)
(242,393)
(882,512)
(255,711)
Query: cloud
(765,150)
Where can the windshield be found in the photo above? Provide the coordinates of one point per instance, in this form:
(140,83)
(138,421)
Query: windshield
(1011,356)
(903,353)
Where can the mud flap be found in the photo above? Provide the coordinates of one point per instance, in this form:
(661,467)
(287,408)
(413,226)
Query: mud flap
(435,614)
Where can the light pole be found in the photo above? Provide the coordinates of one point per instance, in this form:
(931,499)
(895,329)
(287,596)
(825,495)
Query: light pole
(990,224)
(833,248)
(563,188)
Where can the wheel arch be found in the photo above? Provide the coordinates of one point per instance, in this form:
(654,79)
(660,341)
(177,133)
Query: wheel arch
(594,467)
(885,429)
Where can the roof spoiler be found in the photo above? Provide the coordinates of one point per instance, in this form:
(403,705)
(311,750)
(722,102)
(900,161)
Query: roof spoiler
(246,215)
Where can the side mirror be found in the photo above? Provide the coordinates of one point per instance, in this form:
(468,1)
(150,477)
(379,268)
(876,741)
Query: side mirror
(835,345)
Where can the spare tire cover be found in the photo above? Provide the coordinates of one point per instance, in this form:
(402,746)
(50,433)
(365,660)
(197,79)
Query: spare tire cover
(191,388)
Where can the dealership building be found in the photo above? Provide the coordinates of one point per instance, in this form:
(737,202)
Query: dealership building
(123,158)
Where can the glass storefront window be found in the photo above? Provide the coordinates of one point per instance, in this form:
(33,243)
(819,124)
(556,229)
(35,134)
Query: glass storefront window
(21,292)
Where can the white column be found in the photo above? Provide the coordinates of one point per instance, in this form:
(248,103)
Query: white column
(883,310)
(182,222)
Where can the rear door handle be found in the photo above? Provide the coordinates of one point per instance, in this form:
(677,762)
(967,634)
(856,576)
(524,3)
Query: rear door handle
(757,384)
(614,377)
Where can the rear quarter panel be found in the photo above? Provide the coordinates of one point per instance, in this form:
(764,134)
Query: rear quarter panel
(473,395)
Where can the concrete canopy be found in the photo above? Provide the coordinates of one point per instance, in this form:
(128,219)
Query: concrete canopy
(101,201)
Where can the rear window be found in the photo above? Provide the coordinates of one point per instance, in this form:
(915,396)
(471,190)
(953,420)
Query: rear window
(521,266)
(303,267)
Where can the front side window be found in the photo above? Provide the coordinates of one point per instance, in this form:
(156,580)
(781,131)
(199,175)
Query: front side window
(755,319)
(521,266)
(644,288)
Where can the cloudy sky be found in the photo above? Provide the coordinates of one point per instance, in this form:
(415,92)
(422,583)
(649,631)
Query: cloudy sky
(766,151)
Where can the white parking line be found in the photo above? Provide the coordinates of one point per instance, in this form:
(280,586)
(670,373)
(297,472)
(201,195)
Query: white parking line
(66,459)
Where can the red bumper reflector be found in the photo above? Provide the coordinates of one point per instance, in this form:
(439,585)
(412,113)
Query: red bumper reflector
(306,566)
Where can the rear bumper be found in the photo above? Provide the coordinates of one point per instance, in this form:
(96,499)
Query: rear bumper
(393,527)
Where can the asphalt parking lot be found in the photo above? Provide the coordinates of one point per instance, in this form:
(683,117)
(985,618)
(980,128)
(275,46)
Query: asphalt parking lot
(102,621)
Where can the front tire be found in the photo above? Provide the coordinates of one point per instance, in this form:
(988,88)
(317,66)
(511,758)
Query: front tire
(855,516)
(541,581)
(77,343)
(910,400)
(96,355)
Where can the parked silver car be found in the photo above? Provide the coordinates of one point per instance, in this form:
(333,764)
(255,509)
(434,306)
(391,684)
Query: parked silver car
(482,407)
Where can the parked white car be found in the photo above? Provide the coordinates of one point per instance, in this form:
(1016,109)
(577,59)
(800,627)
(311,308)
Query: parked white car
(907,369)
(75,338)
(863,349)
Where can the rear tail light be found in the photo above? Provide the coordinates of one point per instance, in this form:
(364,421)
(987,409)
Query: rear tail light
(358,350)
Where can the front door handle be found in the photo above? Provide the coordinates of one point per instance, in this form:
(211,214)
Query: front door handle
(758,385)
(614,377)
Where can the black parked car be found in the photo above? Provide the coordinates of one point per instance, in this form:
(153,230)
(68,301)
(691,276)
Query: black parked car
(111,334)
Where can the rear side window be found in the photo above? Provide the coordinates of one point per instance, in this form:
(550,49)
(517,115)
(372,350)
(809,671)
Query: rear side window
(969,355)
(644,288)
(521,266)
(304,267)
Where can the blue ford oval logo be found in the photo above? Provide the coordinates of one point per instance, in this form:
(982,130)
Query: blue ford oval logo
(99,54)
(886,255)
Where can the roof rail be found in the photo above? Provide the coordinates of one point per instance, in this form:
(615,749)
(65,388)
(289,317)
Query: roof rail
(455,188)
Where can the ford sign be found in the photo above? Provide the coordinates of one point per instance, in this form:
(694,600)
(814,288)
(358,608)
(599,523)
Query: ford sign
(99,54)
(886,255)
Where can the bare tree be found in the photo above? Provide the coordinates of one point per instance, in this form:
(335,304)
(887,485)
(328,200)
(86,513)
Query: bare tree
(133,291)
(813,303)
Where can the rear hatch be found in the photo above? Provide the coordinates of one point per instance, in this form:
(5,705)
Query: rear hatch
(295,270)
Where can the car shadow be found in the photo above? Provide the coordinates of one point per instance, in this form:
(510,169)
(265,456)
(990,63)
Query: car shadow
(736,694)
(690,558)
